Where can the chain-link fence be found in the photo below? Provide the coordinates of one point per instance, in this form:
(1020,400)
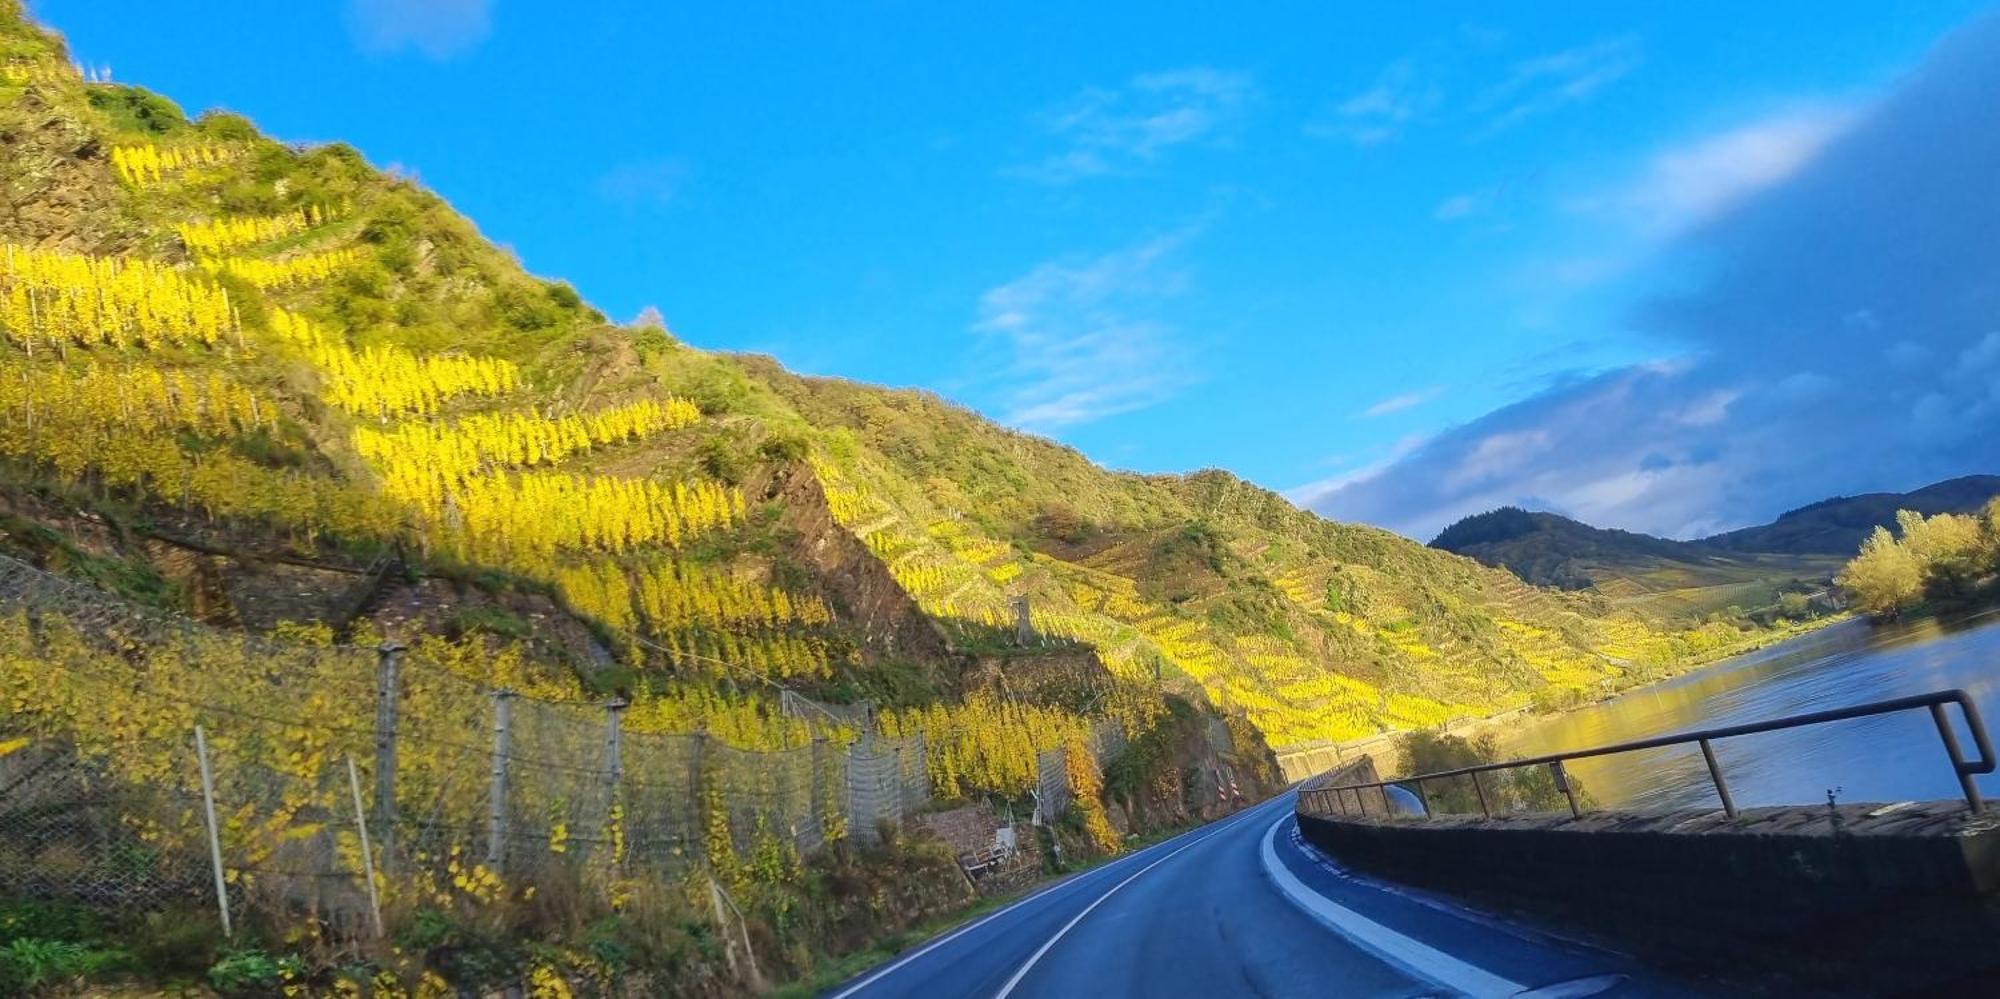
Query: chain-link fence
(142,755)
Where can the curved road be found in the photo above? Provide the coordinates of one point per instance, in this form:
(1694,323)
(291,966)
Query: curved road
(1242,907)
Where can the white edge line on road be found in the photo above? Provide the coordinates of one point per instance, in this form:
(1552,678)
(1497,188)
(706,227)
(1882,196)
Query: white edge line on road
(955,934)
(1079,878)
(1029,964)
(1408,954)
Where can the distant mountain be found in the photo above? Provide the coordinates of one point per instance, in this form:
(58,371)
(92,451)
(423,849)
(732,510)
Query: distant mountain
(1549,549)
(1655,577)
(1837,526)
(1747,569)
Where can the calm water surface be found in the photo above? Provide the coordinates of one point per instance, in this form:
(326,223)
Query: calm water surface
(1886,758)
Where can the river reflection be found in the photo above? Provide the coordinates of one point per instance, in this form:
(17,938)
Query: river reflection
(1887,758)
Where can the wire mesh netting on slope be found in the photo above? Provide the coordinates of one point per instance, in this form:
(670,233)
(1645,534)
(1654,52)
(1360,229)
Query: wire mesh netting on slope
(460,788)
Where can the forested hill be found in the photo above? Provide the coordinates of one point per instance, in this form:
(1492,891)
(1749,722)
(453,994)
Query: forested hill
(269,386)
(1837,526)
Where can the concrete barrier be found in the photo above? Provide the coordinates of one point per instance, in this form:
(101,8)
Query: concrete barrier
(1861,898)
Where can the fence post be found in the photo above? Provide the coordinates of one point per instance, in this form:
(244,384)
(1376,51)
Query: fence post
(496,813)
(1715,775)
(1562,784)
(214,836)
(614,775)
(697,819)
(388,663)
(815,803)
(367,854)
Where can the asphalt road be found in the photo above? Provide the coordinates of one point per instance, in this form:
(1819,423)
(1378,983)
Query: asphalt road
(1241,907)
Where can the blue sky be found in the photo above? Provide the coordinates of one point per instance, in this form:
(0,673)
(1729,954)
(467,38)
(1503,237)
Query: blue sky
(1315,244)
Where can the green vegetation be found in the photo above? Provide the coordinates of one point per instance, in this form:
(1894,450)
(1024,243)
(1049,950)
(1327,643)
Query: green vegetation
(1531,789)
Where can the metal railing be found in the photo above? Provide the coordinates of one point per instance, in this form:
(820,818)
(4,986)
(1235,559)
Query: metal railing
(1326,800)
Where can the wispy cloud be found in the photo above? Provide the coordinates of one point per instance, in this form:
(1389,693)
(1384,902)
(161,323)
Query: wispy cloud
(1110,131)
(1549,83)
(1692,182)
(652,182)
(439,29)
(1083,337)
(1407,400)
(1456,207)
(1404,93)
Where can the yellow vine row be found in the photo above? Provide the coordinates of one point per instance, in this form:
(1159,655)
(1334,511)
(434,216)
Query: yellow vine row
(55,299)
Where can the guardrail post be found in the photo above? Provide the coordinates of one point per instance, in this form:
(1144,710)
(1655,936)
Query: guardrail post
(1563,785)
(1422,798)
(1484,808)
(1950,739)
(1387,809)
(1715,774)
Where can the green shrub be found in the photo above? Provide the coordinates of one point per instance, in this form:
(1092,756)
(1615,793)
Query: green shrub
(251,971)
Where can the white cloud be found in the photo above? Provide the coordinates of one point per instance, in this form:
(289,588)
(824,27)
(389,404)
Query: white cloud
(439,29)
(1403,93)
(1406,400)
(1083,339)
(1116,131)
(1689,184)
(1456,207)
(656,181)
(1549,83)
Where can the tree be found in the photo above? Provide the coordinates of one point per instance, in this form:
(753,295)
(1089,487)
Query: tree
(1885,578)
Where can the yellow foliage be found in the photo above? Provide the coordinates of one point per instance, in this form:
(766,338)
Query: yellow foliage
(391,381)
(221,235)
(142,163)
(284,272)
(54,299)
(421,462)
(517,519)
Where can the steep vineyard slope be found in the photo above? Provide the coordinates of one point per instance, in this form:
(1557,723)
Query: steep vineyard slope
(258,383)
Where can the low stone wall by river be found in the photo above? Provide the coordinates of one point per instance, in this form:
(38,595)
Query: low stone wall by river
(1866,899)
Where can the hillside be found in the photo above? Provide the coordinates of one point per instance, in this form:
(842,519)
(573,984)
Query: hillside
(358,376)
(1837,526)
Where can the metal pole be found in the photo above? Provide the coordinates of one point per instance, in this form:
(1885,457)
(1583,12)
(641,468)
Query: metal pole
(1715,774)
(614,771)
(367,852)
(214,836)
(388,661)
(1950,739)
(496,813)
(1387,809)
(697,824)
(1562,784)
(1484,808)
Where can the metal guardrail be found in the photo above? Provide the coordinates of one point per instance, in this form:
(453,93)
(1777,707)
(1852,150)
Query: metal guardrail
(1327,800)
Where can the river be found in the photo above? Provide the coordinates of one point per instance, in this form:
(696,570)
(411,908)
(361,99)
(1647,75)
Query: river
(1885,758)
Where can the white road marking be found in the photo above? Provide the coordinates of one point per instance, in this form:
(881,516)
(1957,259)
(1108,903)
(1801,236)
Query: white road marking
(955,934)
(891,968)
(1029,964)
(1405,953)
